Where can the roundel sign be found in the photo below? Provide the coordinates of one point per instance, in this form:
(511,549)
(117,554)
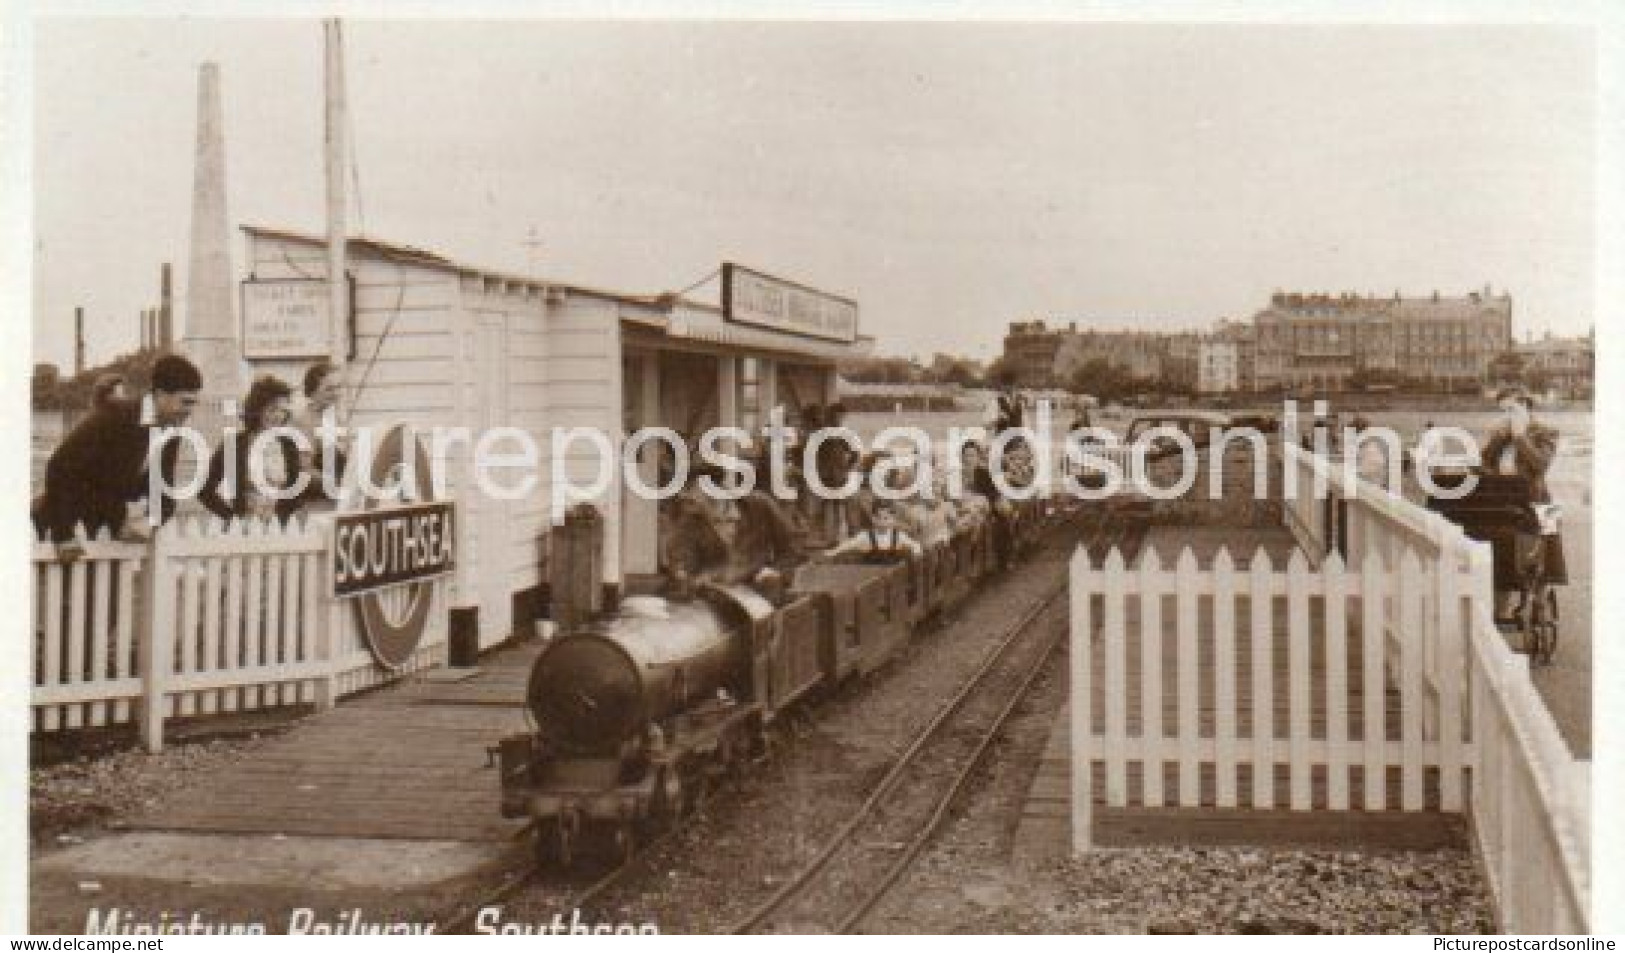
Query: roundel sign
(389,543)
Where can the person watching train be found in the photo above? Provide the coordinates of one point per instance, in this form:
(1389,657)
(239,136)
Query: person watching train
(97,476)
(322,386)
(240,486)
(1521,446)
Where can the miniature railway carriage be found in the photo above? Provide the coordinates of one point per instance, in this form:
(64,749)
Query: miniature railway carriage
(637,714)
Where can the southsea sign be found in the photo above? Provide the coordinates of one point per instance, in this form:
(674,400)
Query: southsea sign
(376,549)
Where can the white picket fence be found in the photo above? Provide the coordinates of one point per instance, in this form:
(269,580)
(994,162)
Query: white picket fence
(86,667)
(1351,689)
(1466,709)
(1329,509)
(206,619)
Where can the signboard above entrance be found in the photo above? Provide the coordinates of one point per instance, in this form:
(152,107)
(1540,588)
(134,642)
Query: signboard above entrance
(750,297)
(287,319)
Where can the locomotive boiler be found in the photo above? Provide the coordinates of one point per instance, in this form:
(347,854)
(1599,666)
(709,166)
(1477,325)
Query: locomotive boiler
(632,715)
(596,693)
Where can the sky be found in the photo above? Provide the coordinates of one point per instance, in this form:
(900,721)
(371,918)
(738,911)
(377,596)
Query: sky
(951,177)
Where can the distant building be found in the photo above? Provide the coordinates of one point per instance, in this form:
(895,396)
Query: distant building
(1138,353)
(1029,352)
(1240,334)
(1179,361)
(1042,356)
(1218,366)
(1565,365)
(1319,341)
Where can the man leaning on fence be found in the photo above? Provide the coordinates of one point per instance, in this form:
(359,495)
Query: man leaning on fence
(99,473)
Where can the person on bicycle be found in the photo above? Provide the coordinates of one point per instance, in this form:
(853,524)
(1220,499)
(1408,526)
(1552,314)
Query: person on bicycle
(1521,446)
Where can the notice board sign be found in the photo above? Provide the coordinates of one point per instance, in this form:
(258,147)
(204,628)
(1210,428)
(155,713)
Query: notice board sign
(289,318)
(751,297)
(395,546)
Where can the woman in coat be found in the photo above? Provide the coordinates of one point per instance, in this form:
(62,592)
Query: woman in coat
(245,488)
(1521,446)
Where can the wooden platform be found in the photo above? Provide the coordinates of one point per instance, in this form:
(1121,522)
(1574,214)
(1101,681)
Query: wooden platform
(407,761)
(1044,830)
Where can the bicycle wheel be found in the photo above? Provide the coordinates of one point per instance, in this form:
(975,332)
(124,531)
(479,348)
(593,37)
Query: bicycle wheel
(1543,625)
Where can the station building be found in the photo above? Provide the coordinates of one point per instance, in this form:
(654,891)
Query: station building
(436,342)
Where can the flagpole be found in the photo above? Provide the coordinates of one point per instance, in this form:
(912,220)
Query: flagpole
(337,285)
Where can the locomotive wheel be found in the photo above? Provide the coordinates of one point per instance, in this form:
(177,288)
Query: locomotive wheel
(696,789)
(565,838)
(626,840)
(735,755)
(668,797)
(544,843)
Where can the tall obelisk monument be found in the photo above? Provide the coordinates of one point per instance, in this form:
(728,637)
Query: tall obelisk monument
(211,339)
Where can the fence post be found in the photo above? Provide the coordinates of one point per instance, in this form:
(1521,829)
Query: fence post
(1452,649)
(1082,702)
(157,639)
(328,619)
(1151,649)
(1115,688)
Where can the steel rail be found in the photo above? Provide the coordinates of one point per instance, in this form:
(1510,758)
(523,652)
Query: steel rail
(791,888)
(946,802)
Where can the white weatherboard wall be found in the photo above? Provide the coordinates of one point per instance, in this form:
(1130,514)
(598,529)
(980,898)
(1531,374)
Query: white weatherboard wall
(441,344)
(405,316)
(417,326)
(584,390)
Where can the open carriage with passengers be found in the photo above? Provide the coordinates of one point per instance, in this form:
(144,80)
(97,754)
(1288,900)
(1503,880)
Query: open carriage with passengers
(1525,538)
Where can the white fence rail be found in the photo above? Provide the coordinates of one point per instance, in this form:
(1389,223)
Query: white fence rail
(1531,800)
(1303,637)
(205,619)
(1412,622)
(85,665)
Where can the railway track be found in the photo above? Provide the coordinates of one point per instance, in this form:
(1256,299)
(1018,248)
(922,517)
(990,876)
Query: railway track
(462,918)
(854,888)
(1013,659)
(845,875)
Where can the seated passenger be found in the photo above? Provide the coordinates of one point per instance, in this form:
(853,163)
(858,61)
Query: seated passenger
(971,511)
(709,538)
(883,539)
(931,521)
(696,535)
(951,509)
(766,536)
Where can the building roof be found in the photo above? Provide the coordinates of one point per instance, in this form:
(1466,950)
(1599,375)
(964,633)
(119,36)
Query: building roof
(697,321)
(408,254)
(1371,307)
(676,316)
(1555,345)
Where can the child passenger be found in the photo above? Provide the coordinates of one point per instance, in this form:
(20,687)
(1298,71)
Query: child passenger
(883,538)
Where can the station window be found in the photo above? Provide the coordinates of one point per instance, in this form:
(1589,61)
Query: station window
(631,392)
(750,394)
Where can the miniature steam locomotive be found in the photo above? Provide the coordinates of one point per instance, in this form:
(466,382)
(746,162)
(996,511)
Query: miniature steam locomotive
(637,714)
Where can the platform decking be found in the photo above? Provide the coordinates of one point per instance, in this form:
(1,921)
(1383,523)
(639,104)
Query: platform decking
(407,761)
